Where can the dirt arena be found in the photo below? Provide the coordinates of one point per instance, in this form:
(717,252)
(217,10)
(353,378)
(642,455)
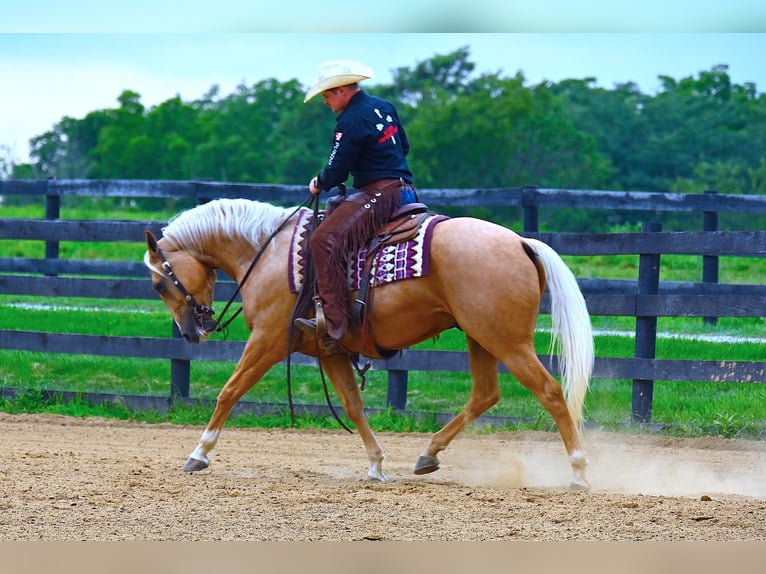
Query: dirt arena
(67,479)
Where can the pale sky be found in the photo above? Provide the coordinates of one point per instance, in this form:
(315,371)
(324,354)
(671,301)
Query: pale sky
(67,59)
(196,16)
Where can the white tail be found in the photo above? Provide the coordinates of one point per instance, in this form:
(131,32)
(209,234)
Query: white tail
(572,337)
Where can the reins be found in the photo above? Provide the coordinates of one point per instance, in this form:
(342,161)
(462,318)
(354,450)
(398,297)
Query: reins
(314,203)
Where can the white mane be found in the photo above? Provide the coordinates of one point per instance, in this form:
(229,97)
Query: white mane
(244,219)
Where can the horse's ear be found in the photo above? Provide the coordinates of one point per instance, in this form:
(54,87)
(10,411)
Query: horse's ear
(151,241)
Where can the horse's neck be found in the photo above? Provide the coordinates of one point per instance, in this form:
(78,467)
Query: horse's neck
(235,256)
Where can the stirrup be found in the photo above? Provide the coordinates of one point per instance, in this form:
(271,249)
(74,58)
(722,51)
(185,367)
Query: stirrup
(319,321)
(306,325)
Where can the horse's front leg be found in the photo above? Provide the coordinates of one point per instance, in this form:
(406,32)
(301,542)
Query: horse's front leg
(252,366)
(340,372)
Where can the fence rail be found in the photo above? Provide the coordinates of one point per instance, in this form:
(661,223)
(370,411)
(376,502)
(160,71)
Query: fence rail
(645,298)
(530,196)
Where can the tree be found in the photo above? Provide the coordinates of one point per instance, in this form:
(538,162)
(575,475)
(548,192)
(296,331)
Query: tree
(725,178)
(500,134)
(466,131)
(301,142)
(115,154)
(6,162)
(613,118)
(694,120)
(430,79)
(244,133)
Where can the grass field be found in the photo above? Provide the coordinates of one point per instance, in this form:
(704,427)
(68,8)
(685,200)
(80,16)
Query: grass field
(683,408)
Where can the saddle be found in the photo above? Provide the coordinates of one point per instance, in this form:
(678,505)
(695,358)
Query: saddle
(403,225)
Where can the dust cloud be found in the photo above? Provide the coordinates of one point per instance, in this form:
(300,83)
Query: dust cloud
(621,464)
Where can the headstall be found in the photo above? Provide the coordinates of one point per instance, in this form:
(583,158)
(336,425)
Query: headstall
(202,313)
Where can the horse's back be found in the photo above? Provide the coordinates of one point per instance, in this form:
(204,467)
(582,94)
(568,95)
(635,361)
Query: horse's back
(480,279)
(482,252)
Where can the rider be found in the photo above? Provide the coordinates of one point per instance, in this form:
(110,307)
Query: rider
(370,144)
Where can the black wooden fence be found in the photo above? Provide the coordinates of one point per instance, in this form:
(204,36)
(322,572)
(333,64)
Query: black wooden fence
(645,298)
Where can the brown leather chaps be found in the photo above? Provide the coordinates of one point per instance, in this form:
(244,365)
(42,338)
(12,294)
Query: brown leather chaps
(345,230)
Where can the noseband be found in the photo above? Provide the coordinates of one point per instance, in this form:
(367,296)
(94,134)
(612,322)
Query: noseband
(203,314)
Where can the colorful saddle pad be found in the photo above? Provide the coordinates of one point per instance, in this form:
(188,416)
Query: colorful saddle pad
(395,262)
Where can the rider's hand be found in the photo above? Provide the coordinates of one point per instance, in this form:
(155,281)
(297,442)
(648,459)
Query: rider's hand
(313,187)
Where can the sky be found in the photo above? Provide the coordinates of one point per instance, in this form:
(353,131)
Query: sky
(68,59)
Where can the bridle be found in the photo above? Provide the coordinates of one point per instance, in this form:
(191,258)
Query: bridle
(203,314)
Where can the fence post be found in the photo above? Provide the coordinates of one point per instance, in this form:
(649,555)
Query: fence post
(52,211)
(180,373)
(397,389)
(710,262)
(646,329)
(530,209)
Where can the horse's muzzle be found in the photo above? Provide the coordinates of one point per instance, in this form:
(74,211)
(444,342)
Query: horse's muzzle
(206,326)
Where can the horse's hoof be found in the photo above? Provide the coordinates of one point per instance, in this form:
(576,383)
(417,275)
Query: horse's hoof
(426,464)
(579,486)
(194,465)
(375,473)
(377,477)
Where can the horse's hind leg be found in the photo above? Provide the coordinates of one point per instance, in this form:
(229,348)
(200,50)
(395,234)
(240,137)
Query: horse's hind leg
(484,394)
(531,373)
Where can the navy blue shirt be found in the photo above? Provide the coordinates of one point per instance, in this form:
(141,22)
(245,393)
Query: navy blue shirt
(369,143)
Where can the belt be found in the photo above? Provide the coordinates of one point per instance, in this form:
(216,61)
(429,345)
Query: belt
(384,184)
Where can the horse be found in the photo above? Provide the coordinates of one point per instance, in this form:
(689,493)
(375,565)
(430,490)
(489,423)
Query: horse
(484,279)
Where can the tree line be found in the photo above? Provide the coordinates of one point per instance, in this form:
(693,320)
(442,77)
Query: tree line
(467,130)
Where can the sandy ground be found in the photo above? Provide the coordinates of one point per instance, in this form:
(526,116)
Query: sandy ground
(67,479)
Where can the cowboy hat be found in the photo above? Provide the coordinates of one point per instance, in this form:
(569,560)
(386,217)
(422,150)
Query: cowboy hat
(338,73)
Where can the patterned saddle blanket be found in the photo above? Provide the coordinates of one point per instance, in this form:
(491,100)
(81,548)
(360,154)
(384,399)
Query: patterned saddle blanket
(394,262)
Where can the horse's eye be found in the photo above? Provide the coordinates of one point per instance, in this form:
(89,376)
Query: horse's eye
(159,286)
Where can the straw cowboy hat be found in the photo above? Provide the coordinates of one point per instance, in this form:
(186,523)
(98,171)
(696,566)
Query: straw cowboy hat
(338,73)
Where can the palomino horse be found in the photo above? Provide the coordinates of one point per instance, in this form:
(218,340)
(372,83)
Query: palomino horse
(483,278)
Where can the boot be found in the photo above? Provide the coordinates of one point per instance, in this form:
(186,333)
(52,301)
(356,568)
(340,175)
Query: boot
(309,326)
